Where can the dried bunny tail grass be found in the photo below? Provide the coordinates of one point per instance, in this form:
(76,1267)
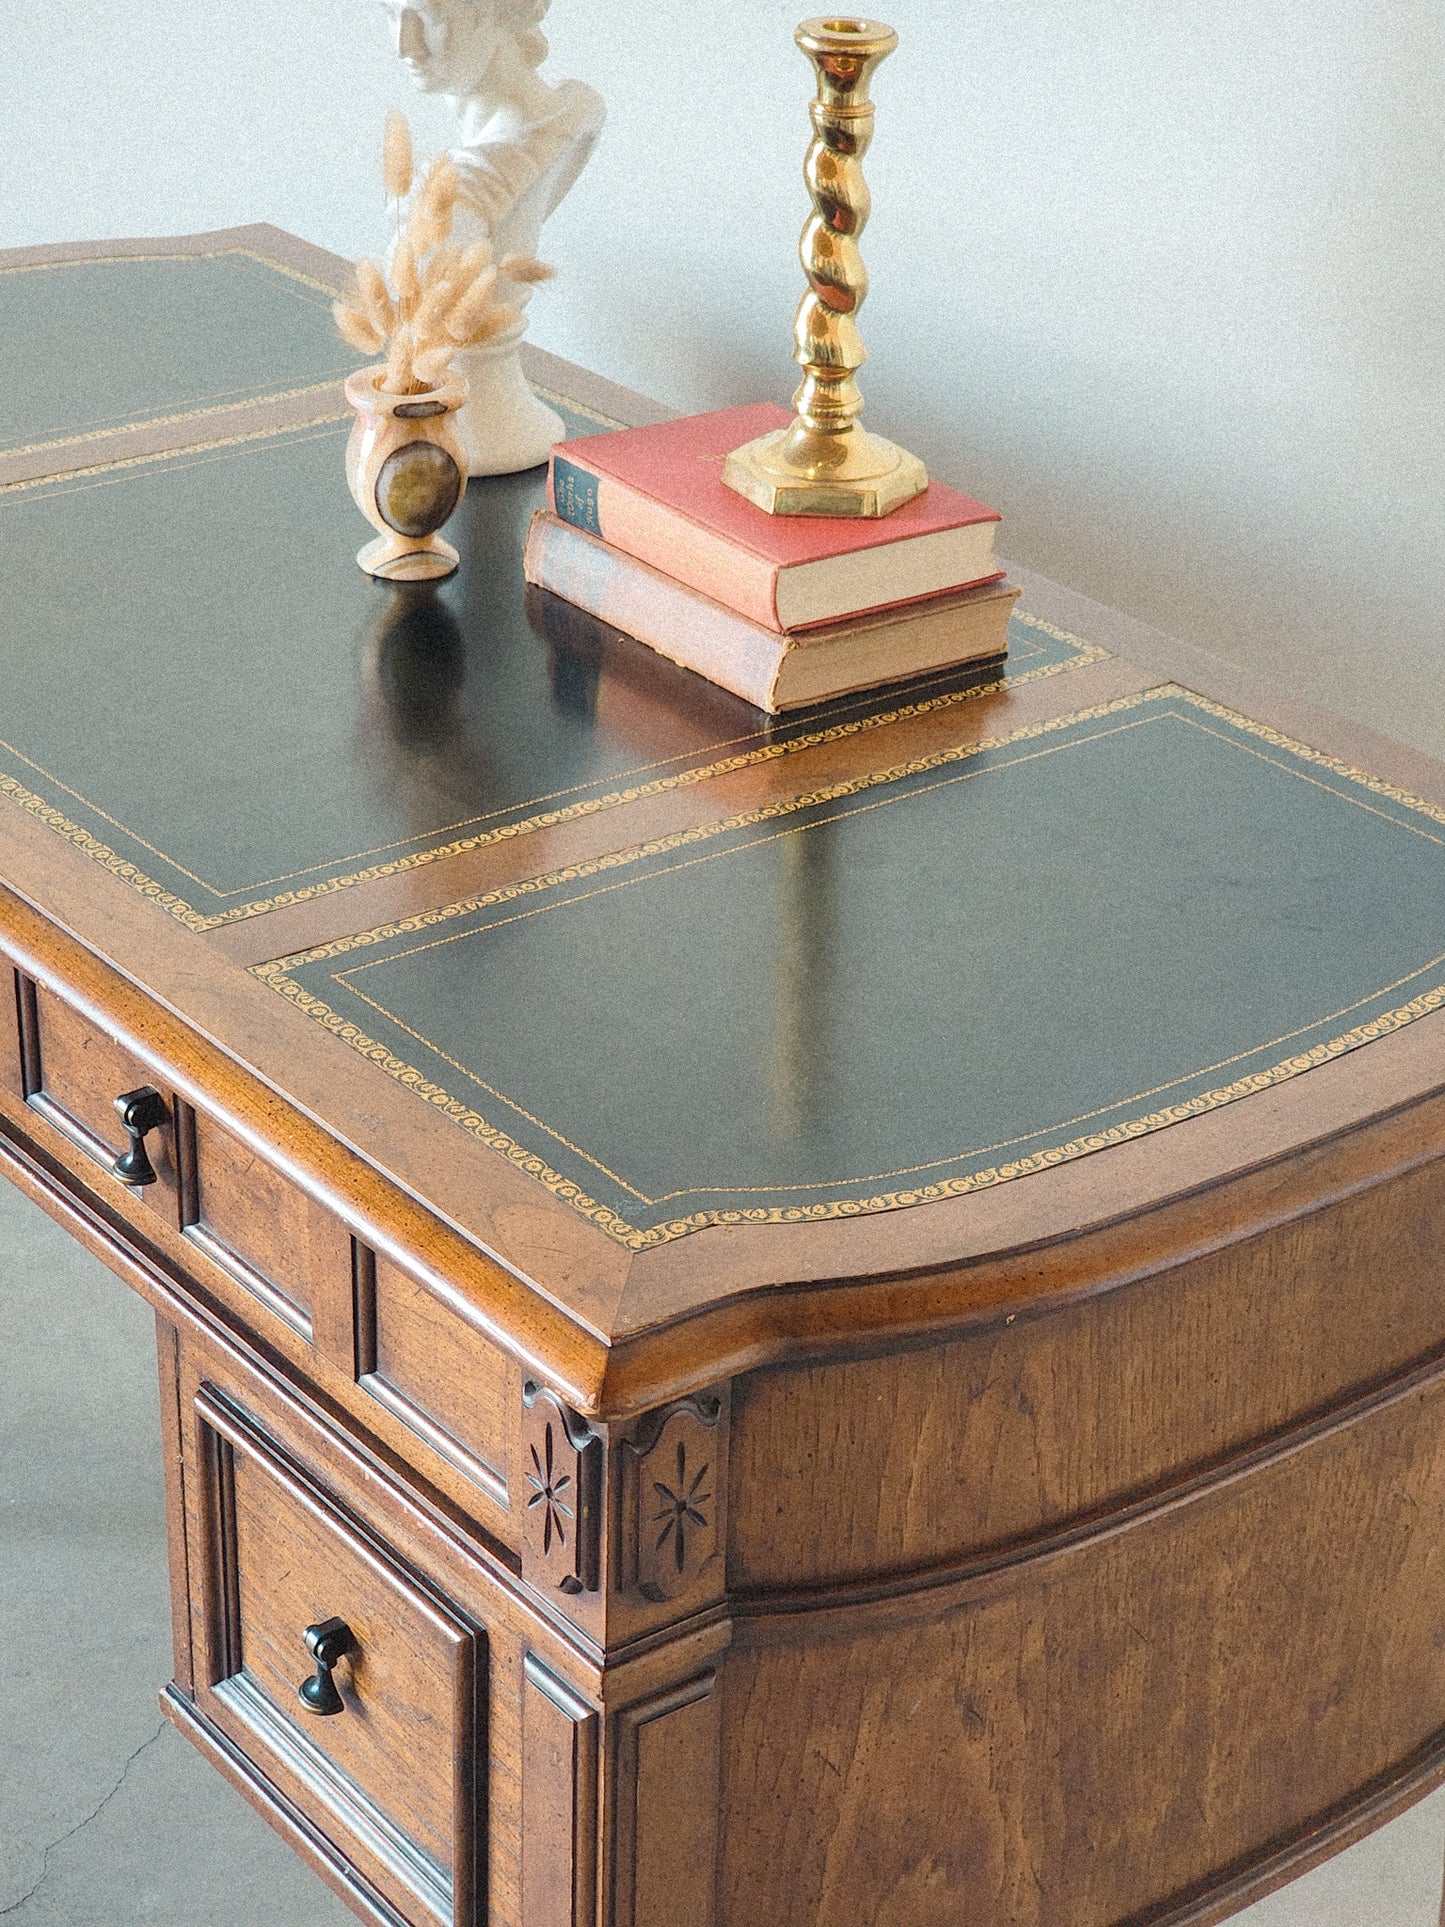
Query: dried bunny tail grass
(439,193)
(404,274)
(430,224)
(495,322)
(522,267)
(356,329)
(432,364)
(401,374)
(473,261)
(374,298)
(396,156)
(472,307)
(436,304)
(425,231)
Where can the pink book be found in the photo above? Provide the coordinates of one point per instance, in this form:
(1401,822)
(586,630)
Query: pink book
(657,494)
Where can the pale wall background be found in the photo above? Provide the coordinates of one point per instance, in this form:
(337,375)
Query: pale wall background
(1164,281)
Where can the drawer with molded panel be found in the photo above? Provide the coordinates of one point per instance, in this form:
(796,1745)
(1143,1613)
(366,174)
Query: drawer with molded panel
(98,1094)
(177,1166)
(255,1224)
(423,1363)
(346,1675)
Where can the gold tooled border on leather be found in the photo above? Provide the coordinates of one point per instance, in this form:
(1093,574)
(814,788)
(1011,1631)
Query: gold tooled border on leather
(203,408)
(192,918)
(635,1238)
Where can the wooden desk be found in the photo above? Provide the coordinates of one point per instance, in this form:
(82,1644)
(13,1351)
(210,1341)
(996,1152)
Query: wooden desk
(846,1317)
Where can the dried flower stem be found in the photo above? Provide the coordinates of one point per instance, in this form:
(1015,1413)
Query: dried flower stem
(441,298)
(396,156)
(356,329)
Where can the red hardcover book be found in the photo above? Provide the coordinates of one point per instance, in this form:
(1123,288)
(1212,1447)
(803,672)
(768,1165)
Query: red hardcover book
(773,669)
(658,494)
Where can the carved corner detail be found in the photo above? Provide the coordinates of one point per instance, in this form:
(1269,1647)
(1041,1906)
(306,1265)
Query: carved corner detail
(673,1473)
(561,1493)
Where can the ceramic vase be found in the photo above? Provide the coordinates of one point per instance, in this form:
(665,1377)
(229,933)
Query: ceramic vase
(407,471)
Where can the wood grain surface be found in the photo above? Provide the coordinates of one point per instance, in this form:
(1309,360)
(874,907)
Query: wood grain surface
(606,1326)
(1067,1554)
(295,1561)
(181,425)
(459,1394)
(1035,1421)
(1091,1736)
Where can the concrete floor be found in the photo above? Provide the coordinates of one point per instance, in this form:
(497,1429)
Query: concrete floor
(107,1817)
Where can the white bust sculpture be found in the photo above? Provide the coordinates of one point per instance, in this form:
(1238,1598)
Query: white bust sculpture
(521,143)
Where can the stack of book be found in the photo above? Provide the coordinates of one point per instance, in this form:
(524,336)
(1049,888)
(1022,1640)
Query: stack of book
(783,610)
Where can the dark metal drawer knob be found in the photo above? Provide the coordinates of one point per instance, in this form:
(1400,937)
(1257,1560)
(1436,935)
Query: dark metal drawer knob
(328,1641)
(140,1111)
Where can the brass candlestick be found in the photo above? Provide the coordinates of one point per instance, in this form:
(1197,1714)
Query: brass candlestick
(827,463)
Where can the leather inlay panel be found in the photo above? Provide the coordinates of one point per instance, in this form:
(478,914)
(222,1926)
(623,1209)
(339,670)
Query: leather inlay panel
(336,730)
(914,984)
(235,327)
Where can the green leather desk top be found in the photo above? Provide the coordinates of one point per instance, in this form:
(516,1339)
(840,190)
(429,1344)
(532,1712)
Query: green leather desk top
(916,983)
(138,337)
(921,980)
(199,687)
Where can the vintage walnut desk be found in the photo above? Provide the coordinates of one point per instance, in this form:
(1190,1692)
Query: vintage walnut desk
(760,1326)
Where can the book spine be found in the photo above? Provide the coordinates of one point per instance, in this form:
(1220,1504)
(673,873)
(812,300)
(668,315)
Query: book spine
(572,494)
(657,535)
(679,624)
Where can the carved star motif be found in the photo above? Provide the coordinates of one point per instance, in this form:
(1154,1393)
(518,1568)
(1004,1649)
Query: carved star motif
(550,1485)
(680,1508)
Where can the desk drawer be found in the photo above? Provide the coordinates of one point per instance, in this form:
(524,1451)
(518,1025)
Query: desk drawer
(72,1075)
(245,1216)
(382,1749)
(229,1216)
(252,1222)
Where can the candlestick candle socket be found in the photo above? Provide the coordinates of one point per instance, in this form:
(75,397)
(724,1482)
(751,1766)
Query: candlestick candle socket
(826,462)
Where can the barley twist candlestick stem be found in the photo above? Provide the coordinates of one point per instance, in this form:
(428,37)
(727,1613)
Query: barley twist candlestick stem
(826,462)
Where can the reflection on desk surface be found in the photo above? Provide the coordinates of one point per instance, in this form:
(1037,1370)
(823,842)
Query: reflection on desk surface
(203,691)
(913,985)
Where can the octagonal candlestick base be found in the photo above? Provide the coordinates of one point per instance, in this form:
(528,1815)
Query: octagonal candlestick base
(806,471)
